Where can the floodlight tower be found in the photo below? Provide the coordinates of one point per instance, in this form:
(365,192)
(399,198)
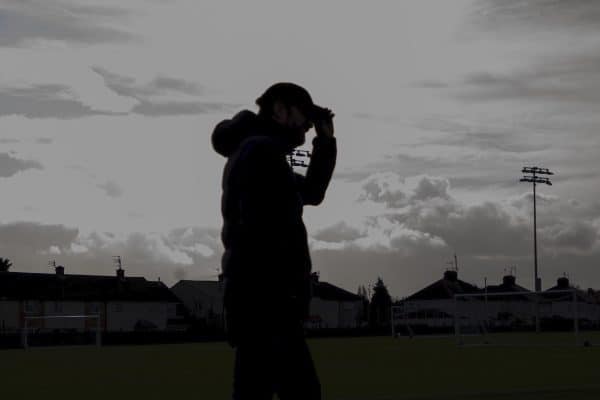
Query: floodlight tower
(294,161)
(535,179)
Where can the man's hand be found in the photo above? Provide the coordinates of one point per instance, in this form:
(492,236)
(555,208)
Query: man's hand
(324,127)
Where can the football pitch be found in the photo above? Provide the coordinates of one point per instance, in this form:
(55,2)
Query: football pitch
(367,368)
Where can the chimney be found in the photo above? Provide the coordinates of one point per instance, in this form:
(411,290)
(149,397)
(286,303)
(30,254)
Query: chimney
(121,274)
(509,280)
(563,283)
(60,270)
(451,275)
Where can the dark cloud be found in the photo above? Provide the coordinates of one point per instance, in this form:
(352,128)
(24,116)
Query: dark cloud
(338,233)
(480,136)
(430,84)
(129,87)
(574,237)
(9,140)
(516,16)
(146,93)
(124,85)
(397,192)
(45,101)
(157,109)
(10,166)
(422,210)
(177,85)
(566,74)
(25,20)
(565,78)
(112,189)
(31,236)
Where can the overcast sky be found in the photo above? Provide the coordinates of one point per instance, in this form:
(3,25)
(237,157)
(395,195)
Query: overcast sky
(106,109)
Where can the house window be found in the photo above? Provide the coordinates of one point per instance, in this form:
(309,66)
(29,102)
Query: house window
(118,307)
(58,307)
(94,308)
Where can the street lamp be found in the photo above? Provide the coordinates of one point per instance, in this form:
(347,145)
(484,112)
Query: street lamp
(535,179)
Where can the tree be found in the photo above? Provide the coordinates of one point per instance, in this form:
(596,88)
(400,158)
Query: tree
(381,305)
(5,264)
(363,317)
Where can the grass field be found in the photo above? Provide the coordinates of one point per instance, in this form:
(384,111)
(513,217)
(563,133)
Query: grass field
(350,369)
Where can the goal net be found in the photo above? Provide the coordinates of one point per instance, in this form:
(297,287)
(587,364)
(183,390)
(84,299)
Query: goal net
(550,318)
(423,318)
(57,330)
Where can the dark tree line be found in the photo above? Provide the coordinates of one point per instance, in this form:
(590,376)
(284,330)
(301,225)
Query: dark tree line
(5,264)
(376,311)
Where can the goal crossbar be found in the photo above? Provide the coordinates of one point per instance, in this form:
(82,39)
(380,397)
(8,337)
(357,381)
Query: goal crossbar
(536,297)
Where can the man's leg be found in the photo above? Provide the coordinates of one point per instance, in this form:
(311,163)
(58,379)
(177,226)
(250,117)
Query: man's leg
(296,374)
(253,373)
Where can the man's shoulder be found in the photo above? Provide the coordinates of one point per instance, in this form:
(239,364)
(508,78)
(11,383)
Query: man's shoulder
(261,146)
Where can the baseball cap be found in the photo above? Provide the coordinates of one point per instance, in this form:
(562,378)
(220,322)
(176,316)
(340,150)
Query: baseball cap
(290,94)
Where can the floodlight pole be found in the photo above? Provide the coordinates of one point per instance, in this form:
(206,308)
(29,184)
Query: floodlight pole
(535,179)
(538,285)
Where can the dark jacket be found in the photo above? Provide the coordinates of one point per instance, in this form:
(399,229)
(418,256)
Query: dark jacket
(266,263)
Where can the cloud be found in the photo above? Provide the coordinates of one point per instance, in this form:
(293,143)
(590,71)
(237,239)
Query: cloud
(189,251)
(484,136)
(44,140)
(8,140)
(557,34)
(10,166)
(338,232)
(430,84)
(31,236)
(45,101)
(128,87)
(157,109)
(567,78)
(516,16)
(421,212)
(23,21)
(165,83)
(396,192)
(580,236)
(112,189)
(147,93)
(406,228)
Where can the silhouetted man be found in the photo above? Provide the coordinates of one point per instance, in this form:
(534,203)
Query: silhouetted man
(266,264)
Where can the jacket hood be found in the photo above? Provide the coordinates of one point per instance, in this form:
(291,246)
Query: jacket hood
(230,133)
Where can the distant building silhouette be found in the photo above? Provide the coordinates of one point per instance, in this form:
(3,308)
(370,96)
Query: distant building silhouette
(506,305)
(333,307)
(123,303)
(203,300)
(330,307)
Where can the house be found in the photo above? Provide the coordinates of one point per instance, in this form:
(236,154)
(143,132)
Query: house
(122,303)
(203,300)
(433,307)
(507,305)
(333,307)
(561,304)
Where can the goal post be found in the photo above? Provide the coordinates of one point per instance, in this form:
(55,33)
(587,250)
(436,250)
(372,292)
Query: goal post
(29,322)
(422,319)
(522,318)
